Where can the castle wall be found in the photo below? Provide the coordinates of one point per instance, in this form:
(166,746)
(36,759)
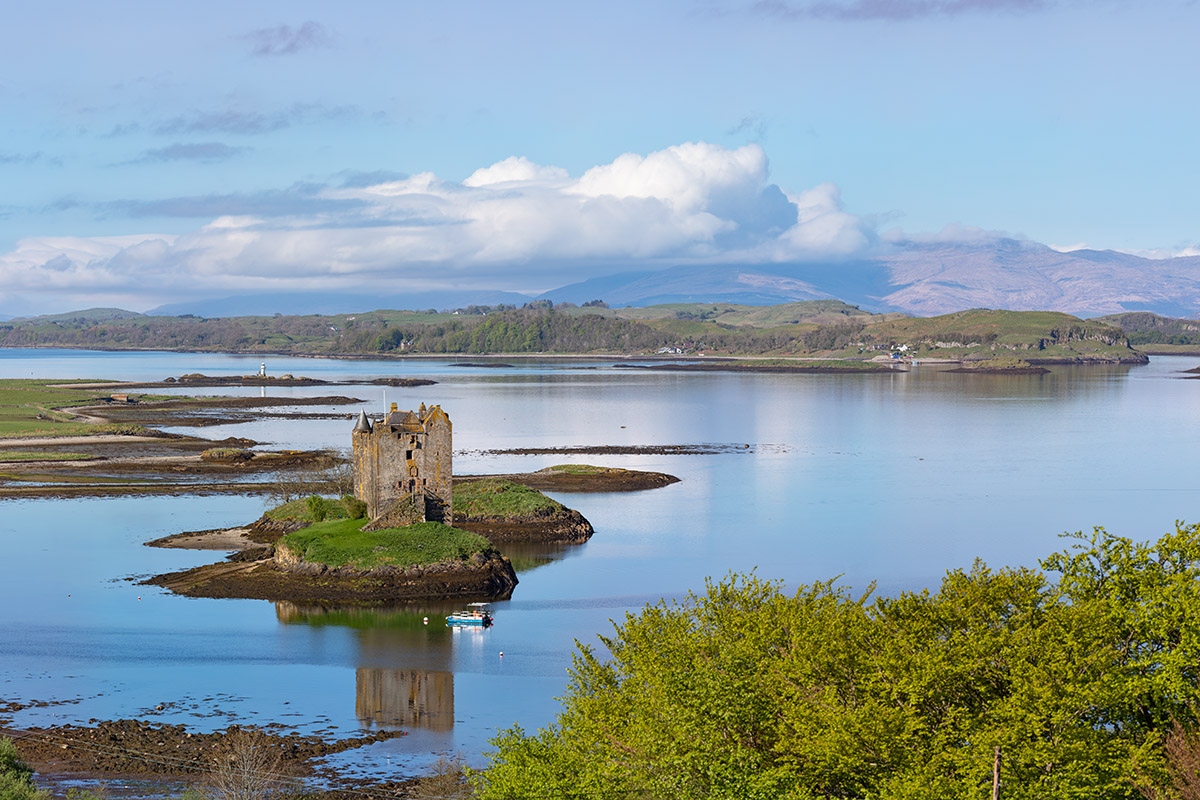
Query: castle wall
(365,458)
(437,467)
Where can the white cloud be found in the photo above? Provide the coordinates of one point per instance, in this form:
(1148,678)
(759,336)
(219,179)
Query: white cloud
(512,225)
(514,168)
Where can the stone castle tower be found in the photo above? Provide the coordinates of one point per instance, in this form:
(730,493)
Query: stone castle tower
(402,467)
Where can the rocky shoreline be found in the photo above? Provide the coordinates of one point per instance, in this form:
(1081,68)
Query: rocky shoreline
(118,750)
(569,478)
(568,526)
(489,577)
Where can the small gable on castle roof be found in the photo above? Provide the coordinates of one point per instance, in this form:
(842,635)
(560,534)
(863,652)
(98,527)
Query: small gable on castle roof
(434,414)
(405,421)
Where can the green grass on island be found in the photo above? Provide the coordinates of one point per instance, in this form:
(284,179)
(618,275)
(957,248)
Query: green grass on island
(580,469)
(341,543)
(497,497)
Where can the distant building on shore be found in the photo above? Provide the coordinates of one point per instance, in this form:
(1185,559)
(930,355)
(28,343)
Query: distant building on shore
(402,467)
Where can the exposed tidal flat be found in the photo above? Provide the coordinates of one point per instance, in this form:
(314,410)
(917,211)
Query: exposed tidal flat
(892,480)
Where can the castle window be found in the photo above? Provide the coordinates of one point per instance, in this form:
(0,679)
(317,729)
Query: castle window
(408,454)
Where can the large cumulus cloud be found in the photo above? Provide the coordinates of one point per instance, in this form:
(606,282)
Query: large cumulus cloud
(511,225)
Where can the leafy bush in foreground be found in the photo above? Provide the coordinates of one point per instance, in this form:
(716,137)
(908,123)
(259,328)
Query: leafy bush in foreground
(1076,674)
(16,778)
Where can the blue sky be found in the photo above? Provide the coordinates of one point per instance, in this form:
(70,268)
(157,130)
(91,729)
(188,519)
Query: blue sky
(153,150)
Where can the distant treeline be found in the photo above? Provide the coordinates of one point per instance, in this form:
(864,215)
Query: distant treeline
(543,328)
(548,331)
(527,330)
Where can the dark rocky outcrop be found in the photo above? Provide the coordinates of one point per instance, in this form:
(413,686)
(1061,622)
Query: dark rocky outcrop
(487,576)
(565,525)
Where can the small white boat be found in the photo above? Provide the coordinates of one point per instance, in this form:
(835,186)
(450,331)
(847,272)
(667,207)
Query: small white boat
(476,614)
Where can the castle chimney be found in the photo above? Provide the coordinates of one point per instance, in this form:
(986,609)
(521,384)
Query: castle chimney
(394,407)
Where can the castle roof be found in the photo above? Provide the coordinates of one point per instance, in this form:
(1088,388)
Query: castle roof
(364,424)
(406,421)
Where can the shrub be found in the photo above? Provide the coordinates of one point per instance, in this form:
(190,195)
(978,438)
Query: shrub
(357,509)
(16,778)
(317,507)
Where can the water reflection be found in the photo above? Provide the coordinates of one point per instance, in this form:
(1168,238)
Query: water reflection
(528,556)
(404,655)
(399,697)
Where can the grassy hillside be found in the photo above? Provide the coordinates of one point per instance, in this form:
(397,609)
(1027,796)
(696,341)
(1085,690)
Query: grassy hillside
(982,333)
(1156,334)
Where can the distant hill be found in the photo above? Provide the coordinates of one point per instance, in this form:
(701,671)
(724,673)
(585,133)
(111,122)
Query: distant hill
(1157,334)
(85,315)
(860,283)
(301,303)
(732,315)
(927,279)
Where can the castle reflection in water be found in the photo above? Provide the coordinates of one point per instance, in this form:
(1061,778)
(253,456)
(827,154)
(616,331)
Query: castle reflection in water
(405,697)
(398,683)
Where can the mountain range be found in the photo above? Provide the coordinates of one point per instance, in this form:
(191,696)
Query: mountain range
(917,278)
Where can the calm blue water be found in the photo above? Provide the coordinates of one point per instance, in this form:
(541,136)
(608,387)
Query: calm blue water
(887,478)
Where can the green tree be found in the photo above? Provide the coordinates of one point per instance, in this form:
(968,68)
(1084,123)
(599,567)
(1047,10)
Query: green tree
(16,778)
(1076,672)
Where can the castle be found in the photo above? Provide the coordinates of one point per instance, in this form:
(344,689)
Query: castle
(402,467)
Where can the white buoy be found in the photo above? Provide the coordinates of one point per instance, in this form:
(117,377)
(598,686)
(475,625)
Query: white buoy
(427,620)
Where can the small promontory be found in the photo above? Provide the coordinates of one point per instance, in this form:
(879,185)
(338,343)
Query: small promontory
(505,511)
(1002,365)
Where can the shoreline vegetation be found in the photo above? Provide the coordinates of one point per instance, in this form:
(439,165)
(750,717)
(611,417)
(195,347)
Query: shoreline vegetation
(1070,678)
(827,329)
(1073,678)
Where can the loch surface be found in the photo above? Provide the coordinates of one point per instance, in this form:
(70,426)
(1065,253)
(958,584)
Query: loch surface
(886,478)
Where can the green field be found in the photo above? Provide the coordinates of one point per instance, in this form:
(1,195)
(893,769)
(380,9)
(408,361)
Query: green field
(31,407)
(340,543)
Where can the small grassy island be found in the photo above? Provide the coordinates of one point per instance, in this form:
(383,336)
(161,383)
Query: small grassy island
(505,511)
(586,478)
(289,555)
(1003,365)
